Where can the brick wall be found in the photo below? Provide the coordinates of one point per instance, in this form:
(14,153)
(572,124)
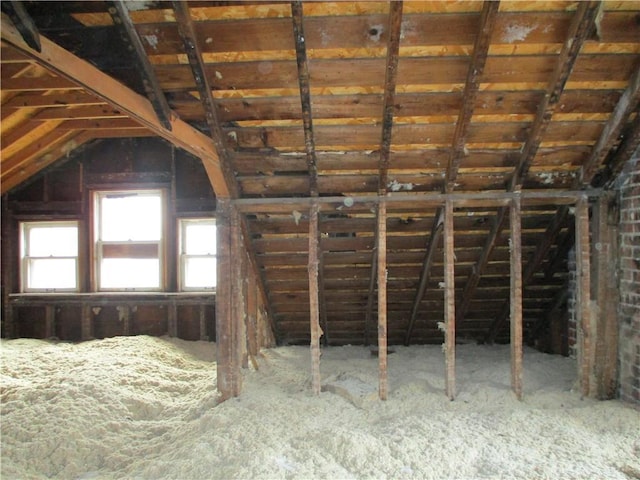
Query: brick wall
(629,277)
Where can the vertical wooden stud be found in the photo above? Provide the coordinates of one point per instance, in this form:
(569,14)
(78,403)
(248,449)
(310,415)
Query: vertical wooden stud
(516,297)
(202,317)
(382,300)
(227,367)
(604,358)
(450,303)
(172,320)
(314,310)
(237,301)
(583,293)
(50,321)
(86,322)
(9,256)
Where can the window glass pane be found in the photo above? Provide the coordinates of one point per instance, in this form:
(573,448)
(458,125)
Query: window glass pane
(200,272)
(52,241)
(136,217)
(130,273)
(51,273)
(200,239)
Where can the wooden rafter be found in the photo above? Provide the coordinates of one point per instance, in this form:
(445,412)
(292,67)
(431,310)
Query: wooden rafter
(23,22)
(305,95)
(121,19)
(610,136)
(476,68)
(626,149)
(192,49)
(391,71)
(434,238)
(579,30)
(78,72)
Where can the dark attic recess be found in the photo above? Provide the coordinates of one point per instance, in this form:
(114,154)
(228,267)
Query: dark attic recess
(379,173)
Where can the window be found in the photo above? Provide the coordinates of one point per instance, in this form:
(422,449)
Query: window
(49,256)
(197,254)
(128,240)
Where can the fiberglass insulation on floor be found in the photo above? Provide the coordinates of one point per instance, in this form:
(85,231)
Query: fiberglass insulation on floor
(143,407)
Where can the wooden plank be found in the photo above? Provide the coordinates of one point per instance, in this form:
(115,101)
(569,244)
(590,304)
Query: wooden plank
(583,296)
(472,84)
(86,76)
(434,238)
(172,320)
(579,30)
(202,324)
(60,100)
(314,312)
(86,323)
(450,302)
(50,321)
(515,215)
(236,279)
(382,300)
(129,35)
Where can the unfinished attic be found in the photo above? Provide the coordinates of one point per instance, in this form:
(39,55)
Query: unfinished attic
(369,175)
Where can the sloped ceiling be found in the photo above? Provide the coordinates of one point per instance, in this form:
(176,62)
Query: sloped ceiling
(350,100)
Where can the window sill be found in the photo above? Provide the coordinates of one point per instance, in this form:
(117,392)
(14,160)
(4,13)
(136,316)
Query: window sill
(109,298)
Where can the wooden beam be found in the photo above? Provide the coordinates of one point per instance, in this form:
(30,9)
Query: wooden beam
(610,136)
(391,72)
(192,49)
(23,22)
(432,244)
(472,84)
(579,31)
(515,249)
(305,95)
(88,77)
(450,303)
(604,288)
(583,295)
(382,301)
(62,100)
(314,309)
(9,240)
(618,160)
(373,277)
(123,23)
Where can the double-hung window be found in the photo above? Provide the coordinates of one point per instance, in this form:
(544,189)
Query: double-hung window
(128,239)
(197,254)
(49,256)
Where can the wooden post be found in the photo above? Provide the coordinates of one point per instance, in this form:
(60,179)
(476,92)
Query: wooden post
(172,320)
(203,324)
(50,321)
(124,314)
(86,323)
(314,310)
(604,289)
(382,300)
(450,303)
(238,344)
(227,366)
(516,297)
(583,293)
(9,257)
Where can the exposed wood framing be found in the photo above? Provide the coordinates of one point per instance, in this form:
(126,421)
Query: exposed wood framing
(604,288)
(450,303)
(86,323)
(198,69)
(391,73)
(23,22)
(628,146)
(50,321)
(432,244)
(583,296)
(610,136)
(86,76)
(382,301)
(228,370)
(478,269)
(580,29)
(9,236)
(305,95)
(172,320)
(121,19)
(373,276)
(476,68)
(551,313)
(515,248)
(314,308)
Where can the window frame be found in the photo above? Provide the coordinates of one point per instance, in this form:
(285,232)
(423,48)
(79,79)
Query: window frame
(98,245)
(183,256)
(25,259)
